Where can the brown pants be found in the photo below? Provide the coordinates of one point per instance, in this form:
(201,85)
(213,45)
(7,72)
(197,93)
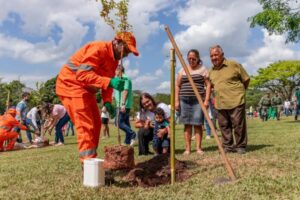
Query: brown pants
(233,119)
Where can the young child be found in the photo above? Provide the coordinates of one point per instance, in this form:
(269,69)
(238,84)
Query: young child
(161,140)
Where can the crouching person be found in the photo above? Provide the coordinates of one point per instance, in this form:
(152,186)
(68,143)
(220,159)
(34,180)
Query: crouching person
(7,123)
(161,141)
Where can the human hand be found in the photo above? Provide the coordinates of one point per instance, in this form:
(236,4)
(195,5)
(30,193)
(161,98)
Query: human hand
(110,109)
(117,83)
(123,109)
(161,132)
(206,103)
(177,105)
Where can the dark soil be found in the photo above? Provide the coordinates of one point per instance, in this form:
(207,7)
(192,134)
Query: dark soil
(156,172)
(118,157)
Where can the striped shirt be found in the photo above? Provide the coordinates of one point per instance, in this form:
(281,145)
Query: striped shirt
(198,76)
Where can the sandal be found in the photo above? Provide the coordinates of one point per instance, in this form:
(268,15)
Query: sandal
(186,153)
(200,152)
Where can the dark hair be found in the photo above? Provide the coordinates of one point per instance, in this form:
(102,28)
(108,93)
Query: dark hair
(159,111)
(121,68)
(47,109)
(148,96)
(25,94)
(195,51)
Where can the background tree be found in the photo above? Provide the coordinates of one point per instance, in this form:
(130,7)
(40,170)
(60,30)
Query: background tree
(16,89)
(253,97)
(279,17)
(282,76)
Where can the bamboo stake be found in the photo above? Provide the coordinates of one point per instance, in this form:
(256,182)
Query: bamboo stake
(7,101)
(223,155)
(172,124)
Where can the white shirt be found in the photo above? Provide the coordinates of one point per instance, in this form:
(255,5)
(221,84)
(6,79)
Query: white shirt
(287,104)
(144,115)
(34,116)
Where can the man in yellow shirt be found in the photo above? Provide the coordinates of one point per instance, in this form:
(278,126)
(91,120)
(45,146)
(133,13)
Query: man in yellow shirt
(230,81)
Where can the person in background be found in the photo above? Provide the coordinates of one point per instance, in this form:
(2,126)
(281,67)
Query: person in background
(70,126)
(33,119)
(145,121)
(58,117)
(21,116)
(185,100)
(297,103)
(230,81)
(124,100)
(161,141)
(287,107)
(105,120)
(264,104)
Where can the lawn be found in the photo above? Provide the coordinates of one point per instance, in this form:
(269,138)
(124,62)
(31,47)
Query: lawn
(269,170)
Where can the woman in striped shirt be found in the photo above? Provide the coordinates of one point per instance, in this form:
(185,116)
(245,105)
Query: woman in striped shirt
(191,114)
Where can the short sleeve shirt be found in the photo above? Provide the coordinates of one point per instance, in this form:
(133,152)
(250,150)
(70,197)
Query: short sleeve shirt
(59,110)
(228,83)
(22,108)
(119,95)
(144,115)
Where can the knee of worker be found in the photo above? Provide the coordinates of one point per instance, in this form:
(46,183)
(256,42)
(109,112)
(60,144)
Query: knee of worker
(14,134)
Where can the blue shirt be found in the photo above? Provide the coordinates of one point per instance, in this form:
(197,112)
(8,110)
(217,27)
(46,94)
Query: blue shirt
(22,108)
(160,125)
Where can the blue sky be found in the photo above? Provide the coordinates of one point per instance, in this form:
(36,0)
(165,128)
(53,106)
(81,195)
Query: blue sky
(37,37)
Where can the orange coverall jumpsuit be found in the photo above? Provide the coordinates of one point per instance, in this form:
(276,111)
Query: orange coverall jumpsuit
(7,122)
(92,66)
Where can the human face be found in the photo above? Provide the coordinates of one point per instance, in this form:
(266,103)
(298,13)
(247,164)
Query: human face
(193,59)
(216,57)
(147,104)
(159,118)
(118,48)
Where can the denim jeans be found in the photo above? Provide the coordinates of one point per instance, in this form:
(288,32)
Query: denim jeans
(58,132)
(70,126)
(28,134)
(124,125)
(207,128)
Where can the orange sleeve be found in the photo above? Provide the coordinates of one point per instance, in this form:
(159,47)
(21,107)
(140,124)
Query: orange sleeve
(14,122)
(89,77)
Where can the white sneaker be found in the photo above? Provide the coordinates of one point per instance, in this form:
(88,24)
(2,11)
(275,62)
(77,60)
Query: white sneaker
(208,137)
(132,142)
(193,138)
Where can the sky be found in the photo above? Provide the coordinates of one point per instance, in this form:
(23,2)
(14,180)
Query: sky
(38,36)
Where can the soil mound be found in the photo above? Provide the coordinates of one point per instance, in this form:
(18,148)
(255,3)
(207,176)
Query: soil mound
(156,172)
(118,157)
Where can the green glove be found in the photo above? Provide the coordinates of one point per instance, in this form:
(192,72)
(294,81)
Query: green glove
(117,83)
(110,109)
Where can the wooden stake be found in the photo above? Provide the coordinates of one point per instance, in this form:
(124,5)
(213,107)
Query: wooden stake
(172,124)
(223,155)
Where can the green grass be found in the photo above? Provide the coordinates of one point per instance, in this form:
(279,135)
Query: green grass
(269,170)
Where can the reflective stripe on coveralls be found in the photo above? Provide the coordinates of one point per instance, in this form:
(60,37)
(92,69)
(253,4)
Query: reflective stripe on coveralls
(76,68)
(88,152)
(5,128)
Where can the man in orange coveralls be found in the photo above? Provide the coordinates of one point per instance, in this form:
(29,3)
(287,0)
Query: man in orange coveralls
(92,66)
(7,123)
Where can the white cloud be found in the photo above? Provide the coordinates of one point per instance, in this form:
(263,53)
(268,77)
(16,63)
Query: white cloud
(132,73)
(215,22)
(159,72)
(164,86)
(28,80)
(274,49)
(41,18)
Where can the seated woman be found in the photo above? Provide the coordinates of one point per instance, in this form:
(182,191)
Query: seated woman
(145,121)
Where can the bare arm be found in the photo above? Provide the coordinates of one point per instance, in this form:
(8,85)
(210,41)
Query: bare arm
(207,92)
(177,89)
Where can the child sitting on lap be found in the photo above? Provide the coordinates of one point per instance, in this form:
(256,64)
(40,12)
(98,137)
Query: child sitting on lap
(161,140)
